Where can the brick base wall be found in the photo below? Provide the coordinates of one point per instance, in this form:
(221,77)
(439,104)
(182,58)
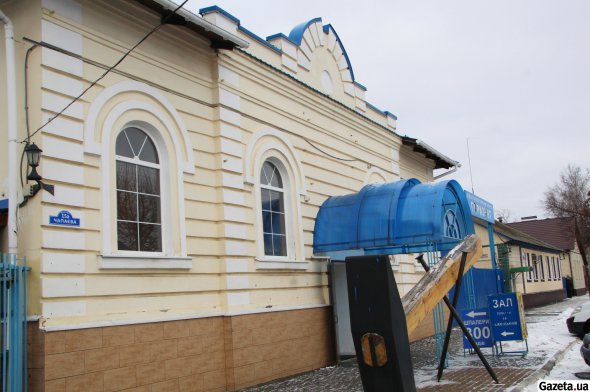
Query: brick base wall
(542,298)
(581,291)
(207,354)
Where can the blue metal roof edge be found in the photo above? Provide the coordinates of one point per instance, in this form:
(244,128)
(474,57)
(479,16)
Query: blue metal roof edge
(390,114)
(326,29)
(296,35)
(384,112)
(215,8)
(280,35)
(260,39)
(3,204)
(360,85)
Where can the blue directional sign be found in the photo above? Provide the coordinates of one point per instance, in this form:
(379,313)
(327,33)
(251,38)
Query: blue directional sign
(480,208)
(505,317)
(64,218)
(478,324)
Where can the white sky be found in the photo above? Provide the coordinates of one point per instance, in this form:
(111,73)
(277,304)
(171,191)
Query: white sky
(512,76)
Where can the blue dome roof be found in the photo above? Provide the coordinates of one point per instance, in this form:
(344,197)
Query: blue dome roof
(398,217)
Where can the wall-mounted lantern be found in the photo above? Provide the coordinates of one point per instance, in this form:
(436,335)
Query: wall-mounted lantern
(33,157)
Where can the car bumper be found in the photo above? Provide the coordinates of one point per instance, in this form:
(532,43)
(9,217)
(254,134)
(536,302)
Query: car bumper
(575,328)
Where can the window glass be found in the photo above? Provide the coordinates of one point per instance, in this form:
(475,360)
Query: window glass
(529,274)
(138,193)
(272,196)
(148,180)
(122,147)
(126,178)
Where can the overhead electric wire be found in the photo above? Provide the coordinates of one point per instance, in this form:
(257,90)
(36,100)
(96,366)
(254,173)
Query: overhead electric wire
(188,97)
(156,28)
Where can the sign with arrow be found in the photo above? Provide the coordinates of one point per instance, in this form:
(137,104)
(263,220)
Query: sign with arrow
(505,317)
(478,324)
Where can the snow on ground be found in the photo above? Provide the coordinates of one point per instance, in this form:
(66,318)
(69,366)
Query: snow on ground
(427,378)
(547,335)
(565,369)
(572,361)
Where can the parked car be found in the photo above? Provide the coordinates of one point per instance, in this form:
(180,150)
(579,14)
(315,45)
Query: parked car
(585,349)
(579,323)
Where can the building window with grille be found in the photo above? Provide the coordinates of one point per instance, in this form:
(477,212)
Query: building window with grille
(529,274)
(535,267)
(139,216)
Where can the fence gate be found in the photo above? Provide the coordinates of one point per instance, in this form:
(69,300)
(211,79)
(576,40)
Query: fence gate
(13,323)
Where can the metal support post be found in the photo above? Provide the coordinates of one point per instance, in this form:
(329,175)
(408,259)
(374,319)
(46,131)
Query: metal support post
(457,317)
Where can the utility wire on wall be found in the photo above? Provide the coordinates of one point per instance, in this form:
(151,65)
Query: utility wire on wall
(188,97)
(156,28)
(191,98)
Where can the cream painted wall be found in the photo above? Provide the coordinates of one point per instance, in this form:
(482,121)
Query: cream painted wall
(216,117)
(577,264)
(25,16)
(539,283)
(413,165)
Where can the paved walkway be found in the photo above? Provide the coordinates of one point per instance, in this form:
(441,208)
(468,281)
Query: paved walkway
(464,373)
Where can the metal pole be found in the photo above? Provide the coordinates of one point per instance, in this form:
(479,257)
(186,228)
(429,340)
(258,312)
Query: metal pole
(450,321)
(457,317)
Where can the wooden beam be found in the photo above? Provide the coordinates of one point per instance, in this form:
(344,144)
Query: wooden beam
(434,285)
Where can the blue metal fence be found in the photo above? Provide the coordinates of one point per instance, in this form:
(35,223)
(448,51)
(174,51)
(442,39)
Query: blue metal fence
(484,282)
(13,323)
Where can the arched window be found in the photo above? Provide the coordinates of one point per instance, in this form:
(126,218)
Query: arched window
(272,196)
(139,217)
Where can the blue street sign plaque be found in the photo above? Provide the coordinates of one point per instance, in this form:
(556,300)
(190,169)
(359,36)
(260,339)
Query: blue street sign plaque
(64,218)
(505,317)
(478,324)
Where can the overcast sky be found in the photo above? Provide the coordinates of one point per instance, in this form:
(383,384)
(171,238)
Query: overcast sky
(512,76)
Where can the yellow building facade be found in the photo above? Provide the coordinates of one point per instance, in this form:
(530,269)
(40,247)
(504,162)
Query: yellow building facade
(176,250)
(546,265)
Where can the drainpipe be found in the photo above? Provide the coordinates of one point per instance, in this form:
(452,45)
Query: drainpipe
(12,142)
(454,169)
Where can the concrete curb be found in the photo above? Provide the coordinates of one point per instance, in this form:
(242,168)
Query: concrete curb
(545,369)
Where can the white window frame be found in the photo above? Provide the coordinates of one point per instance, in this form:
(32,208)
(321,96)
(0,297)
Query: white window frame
(529,274)
(105,117)
(271,144)
(535,266)
(285,192)
(289,214)
(164,208)
(113,258)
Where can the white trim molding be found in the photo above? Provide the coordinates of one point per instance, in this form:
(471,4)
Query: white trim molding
(272,139)
(271,145)
(171,118)
(144,262)
(172,221)
(374,172)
